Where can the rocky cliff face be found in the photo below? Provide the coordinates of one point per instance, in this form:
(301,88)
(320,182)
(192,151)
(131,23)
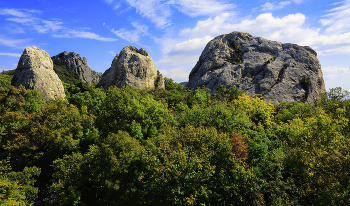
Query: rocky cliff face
(133,67)
(279,71)
(35,72)
(79,65)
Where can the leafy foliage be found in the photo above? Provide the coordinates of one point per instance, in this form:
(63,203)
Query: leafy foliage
(17,188)
(70,79)
(5,83)
(125,146)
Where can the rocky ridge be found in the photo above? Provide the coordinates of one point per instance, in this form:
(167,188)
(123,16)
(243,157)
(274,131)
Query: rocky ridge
(35,72)
(132,67)
(287,72)
(79,65)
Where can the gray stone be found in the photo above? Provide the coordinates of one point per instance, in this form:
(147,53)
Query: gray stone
(280,72)
(35,72)
(160,81)
(79,65)
(133,67)
(184,84)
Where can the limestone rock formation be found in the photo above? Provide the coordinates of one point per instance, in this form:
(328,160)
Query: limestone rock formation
(79,65)
(35,72)
(279,71)
(160,81)
(133,67)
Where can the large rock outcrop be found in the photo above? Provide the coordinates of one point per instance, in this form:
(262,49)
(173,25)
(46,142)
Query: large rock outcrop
(132,67)
(279,71)
(35,72)
(79,65)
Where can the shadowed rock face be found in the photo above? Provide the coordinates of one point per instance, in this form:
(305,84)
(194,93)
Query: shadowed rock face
(75,63)
(35,72)
(279,71)
(133,67)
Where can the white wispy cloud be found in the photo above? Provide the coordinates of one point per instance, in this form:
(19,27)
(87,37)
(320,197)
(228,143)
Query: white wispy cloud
(177,73)
(132,36)
(334,71)
(10,54)
(336,76)
(208,26)
(14,43)
(177,59)
(298,1)
(335,36)
(335,39)
(289,28)
(8,67)
(184,52)
(338,18)
(324,51)
(52,25)
(159,11)
(82,34)
(48,26)
(26,19)
(201,8)
(14,29)
(192,44)
(13,12)
(270,6)
(112,53)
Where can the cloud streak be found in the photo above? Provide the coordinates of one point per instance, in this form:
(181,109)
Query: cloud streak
(268,6)
(14,43)
(132,36)
(83,35)
(159,12)
(201,8)
(10,54)
(155,10)
(289,28)
(26,19)
(14,12)
(338,18)
(177,73)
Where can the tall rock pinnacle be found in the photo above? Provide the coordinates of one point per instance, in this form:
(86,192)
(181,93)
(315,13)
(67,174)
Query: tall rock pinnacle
(35,72)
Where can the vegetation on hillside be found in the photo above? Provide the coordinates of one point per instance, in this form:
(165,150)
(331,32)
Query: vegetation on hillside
(70,79)
(171,147)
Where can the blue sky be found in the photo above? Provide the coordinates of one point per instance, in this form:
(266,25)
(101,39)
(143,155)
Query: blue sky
(174,32)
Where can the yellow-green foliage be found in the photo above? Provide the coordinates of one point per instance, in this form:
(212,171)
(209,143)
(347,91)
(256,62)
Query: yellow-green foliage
(17,188)
(259,111)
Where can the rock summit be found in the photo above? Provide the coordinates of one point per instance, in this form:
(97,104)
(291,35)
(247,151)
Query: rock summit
(132,67)
(35,72)
(280,72)
(79,65)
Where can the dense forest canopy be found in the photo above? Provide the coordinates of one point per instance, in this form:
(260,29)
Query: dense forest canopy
(171,147)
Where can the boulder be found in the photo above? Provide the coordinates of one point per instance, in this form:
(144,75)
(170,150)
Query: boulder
(132,67)
(79,65)
(280,72)
(35,72)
